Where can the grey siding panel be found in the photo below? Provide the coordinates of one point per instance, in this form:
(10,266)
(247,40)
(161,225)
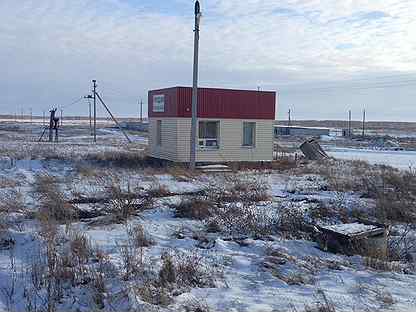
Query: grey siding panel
(231,139)
(168,149)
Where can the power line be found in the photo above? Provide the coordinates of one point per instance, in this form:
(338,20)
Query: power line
(72,103)
(325,89)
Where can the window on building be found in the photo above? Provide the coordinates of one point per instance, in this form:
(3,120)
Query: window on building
(209,134)
(159,133)
(249,134)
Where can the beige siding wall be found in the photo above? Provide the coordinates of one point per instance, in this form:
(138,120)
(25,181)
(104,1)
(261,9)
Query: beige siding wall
(168,149)
(231,139)
(176,141)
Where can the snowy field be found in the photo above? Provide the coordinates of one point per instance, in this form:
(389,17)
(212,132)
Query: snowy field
(399,159)
(87,227)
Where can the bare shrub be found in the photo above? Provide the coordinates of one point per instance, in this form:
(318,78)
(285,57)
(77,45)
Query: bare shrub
(122,205)
(395,194)
(80,247)
(243,219)
(323,303)
(125,204)
(11,201)
(9,290)
(194,208)
(292,223)
(132,253)
(151,292)
(401,247)
(138,237)
(186,270)
(53,204)
(192,271)
(194,304)
(158,190)
(167,273)
(237,188)
(98,287)
(119,158)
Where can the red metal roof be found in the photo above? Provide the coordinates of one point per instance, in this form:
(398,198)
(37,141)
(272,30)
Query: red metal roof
(216,103)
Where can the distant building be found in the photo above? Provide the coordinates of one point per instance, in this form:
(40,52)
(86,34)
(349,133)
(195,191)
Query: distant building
(300,131)
(135,126)
(233,125)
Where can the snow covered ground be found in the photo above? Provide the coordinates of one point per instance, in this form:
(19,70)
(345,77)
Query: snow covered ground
(240,271)
(251,275)
(398,159)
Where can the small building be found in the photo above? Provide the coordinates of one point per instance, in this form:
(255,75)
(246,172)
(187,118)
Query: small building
(233,125)
(300,131)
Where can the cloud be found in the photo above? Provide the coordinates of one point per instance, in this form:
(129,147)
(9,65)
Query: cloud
(50,50)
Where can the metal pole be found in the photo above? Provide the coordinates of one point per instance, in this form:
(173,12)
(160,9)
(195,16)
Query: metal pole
(364,122)
(90,117)
(289,123)
(62,118)
(141,111)
(195,87)
(114,118)
(95,109)
(349,124)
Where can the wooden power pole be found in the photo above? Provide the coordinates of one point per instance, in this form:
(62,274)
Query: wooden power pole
(364,116)
(95,109)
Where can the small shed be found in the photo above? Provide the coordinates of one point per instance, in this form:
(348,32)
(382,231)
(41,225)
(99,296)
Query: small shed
(232,125)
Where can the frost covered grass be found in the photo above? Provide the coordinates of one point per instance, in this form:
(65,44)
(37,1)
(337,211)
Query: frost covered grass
(113,238)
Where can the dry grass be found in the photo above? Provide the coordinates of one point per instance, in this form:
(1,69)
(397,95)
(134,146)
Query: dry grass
(194,208)
(53,204)
(11,201)
(124,204)
(239,188)
(138,236)
(394,191)
(157,190)
(323,303)
(194,304)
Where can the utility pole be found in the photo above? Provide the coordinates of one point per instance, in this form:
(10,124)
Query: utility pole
(62,119)
(141,111)
(349,124)
(289,122)
(95,109)
(195,86)
(364,115)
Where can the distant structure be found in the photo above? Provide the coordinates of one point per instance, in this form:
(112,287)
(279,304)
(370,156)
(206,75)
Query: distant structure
(135,126)
(232,125)
(53,126)
(300,131)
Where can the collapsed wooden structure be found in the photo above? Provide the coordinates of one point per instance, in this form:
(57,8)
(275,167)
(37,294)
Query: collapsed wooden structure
(359,238)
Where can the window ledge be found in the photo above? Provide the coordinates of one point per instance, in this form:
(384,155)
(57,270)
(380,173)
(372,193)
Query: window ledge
(208,148)
(248,147)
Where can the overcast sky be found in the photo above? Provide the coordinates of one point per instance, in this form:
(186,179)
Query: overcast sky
(322,56)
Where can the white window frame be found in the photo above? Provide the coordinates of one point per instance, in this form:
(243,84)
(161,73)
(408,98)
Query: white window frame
(159,103)
(254,134)
(208,143)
